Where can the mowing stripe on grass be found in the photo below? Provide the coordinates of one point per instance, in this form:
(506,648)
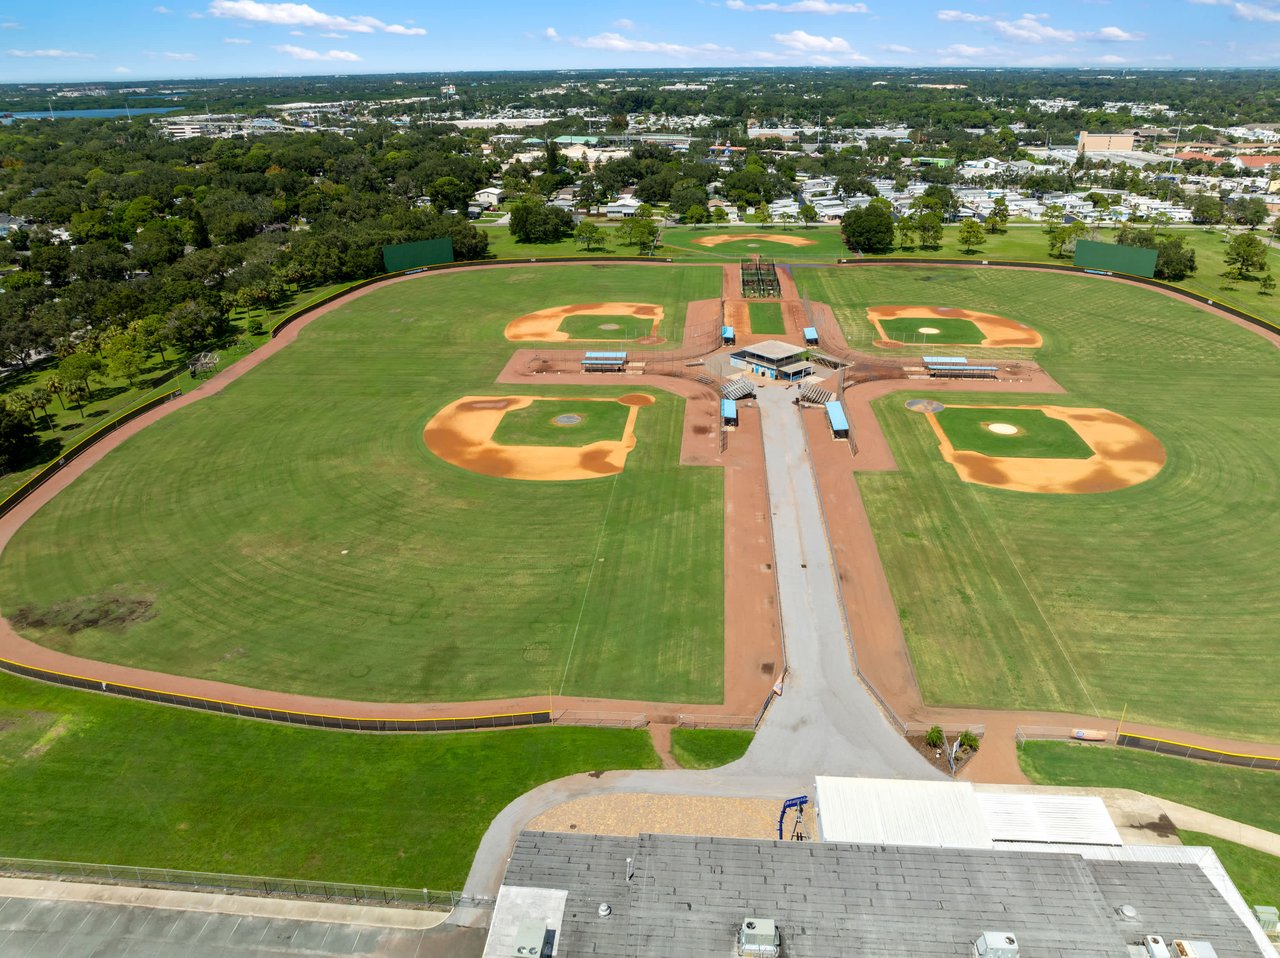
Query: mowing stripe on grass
(586,592)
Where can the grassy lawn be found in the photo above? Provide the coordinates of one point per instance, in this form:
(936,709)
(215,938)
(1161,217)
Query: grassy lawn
(91,778)
(502,245)
(709,747)
(766,318)
(535,425)
(295,532)
(950,332)
(587,327)
(827,246)
(1014,600)
(1038,437)
(1246,795)
(1256,874)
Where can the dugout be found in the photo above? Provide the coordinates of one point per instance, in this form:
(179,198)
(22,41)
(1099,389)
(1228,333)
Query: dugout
(604,362)
(1111,257)
(728,412)
(774,360)
(727,336)
(811,335)
(404,256)
(837,420)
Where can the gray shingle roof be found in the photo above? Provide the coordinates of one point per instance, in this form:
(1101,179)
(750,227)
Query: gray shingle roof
(690,894)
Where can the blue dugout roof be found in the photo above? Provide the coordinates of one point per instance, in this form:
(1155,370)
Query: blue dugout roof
(835,413)
(728,409)
(935,359)
(726,332)
(811,332)
(606,355)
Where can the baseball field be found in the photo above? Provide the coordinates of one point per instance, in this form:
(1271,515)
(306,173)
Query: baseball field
(296,533)
(1157,597)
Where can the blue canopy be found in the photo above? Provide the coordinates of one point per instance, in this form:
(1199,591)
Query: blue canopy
(728,409)
(835,413)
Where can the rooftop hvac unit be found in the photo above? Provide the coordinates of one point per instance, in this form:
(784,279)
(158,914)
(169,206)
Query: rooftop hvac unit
(1193,949)
(759,938)
(532,940)
(1268,918)
(1155,947)
(996,944)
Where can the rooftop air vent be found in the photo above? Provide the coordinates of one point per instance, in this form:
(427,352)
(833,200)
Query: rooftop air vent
(1193,949)
(1155,947)
(533,940)
(996,944)
(759,938)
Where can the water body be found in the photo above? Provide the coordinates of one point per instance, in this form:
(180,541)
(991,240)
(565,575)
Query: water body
(95,114)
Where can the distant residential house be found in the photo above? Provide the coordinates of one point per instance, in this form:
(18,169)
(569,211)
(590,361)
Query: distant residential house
(1256,163)
(10,223)
(489,196)
(622,208)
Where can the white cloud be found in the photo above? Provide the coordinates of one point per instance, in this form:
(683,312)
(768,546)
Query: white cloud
(161,9)
(1112,60)
(186,57)
(966,52)
(800,6)
(1030,28)
(620,44)
(51,54)
(1254,12)
(239,41)
(550,34)
(808,43)
(1115,35)
(334,35)
(10,25)
(305,15)
(896,48)
(302,53)
(624,24)
(121,70)
(959,16)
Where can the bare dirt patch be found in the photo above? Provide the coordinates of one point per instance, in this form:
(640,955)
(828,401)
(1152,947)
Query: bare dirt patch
(105,611)
(462,434)
(738,237)
(543,326)
(997,330)
(1124,455)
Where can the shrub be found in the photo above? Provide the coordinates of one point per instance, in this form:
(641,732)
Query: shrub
(969,740)
(934,737)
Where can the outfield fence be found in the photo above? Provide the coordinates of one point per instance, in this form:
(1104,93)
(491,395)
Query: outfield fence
(51,469)
(744,722)
(602,719)
(223,884)
(349,723)
(1077,270)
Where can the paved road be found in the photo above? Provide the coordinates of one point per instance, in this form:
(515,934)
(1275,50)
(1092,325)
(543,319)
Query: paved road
(825,723)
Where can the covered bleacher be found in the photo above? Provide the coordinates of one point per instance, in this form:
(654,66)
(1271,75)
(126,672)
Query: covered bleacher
(737,389)
(604,362)
(838,421)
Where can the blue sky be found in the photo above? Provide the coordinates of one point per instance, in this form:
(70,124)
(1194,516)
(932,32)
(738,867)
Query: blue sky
(122,39)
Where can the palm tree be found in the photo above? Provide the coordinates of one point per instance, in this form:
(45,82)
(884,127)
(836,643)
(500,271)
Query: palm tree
(40,398)
(56,387)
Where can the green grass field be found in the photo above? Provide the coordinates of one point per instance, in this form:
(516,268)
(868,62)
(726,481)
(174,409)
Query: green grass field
(583,327)
(827,246)
(1156,597)
(1256,874)
(295,533)
(709,747)
(766,319)
(1038,436)
(535,425)
(950,332)
(93,778)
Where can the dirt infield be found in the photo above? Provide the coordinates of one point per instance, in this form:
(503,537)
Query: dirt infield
(462,434)
(1125,455)
(997,330)
(767,237)
(543,326)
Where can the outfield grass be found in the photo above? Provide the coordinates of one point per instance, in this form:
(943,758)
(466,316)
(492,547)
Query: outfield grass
(950,332)
(295,533)
(92,778)
(534,425)
(709,747)
(1039,436)
(766,319)
(580,326)
(1245,795)
(678,242)
(1256,874)
(1157,597)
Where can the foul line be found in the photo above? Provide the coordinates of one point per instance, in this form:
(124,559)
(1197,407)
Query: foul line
(595,561)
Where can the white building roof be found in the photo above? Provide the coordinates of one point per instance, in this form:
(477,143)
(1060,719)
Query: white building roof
(890,812)
(1062,819)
